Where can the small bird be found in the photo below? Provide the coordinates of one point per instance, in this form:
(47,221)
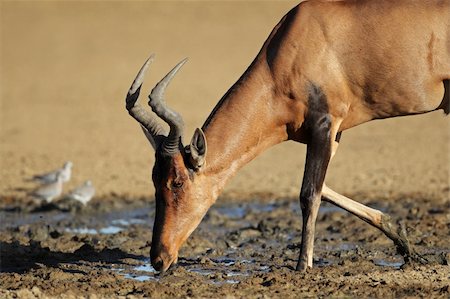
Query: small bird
(50,191)
(50,177)
(83,193)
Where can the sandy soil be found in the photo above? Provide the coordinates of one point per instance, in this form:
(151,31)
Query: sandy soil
(65,69)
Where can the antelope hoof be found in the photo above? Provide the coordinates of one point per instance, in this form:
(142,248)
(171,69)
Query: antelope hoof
(414,257)
(404,247)
(301,266)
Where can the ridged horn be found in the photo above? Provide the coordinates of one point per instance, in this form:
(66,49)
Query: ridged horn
(172,144)
(153,130)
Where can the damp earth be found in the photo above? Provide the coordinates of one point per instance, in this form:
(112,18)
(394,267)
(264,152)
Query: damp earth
(242,249)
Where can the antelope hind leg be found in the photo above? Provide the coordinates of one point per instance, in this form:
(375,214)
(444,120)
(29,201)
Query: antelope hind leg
(397,233)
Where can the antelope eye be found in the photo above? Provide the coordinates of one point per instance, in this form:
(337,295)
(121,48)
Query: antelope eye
(177,184)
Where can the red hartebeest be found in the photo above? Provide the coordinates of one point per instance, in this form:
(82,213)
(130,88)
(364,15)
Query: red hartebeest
(326,67)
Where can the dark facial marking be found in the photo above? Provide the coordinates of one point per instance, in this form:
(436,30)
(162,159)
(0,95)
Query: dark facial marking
(169,177)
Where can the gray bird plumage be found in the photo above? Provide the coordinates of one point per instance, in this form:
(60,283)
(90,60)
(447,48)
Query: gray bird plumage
(50,191)
(50,177)
(83,193)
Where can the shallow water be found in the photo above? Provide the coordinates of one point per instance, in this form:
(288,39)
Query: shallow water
(250,249)
(386,263)
(234,242)
(144,272)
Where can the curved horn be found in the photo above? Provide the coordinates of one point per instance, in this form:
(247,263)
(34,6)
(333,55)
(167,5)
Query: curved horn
(155,132)
(172,143)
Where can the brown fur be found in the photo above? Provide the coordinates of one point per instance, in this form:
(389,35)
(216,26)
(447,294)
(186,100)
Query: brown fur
(372,59)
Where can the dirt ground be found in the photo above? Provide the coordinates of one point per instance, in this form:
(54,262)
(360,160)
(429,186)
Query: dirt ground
(65,69)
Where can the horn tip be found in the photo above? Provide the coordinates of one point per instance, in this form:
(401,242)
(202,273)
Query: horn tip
(150,58)
(182,62)
(140,76)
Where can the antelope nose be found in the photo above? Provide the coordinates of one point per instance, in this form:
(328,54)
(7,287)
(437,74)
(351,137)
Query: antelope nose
(158,263)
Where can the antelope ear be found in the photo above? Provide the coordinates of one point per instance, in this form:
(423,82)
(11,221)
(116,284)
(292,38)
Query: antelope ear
(197,149)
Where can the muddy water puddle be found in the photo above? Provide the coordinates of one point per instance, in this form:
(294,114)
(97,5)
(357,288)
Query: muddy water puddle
(253,244)
(240,228)
(144,272)
(219,271)
(229,268)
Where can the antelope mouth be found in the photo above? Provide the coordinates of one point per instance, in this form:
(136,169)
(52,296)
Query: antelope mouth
(170,266)
(163,265)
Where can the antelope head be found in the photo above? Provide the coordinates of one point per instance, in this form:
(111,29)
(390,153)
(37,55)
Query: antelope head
(181,193)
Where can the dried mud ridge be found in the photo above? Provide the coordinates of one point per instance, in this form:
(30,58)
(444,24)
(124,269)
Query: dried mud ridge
(246,249)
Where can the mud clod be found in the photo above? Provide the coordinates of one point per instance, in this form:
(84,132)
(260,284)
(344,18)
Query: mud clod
(251,256)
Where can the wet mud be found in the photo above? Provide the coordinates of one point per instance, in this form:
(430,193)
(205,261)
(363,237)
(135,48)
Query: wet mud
(241,249)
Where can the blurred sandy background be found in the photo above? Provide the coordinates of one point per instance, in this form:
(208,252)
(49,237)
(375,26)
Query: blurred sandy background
(66,67)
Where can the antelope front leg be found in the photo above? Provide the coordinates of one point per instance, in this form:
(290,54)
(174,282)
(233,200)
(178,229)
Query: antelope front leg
(317,158)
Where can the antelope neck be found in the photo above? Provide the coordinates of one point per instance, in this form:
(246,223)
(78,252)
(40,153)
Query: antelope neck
(240,127)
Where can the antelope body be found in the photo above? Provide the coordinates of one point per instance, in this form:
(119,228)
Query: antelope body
(326,67)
